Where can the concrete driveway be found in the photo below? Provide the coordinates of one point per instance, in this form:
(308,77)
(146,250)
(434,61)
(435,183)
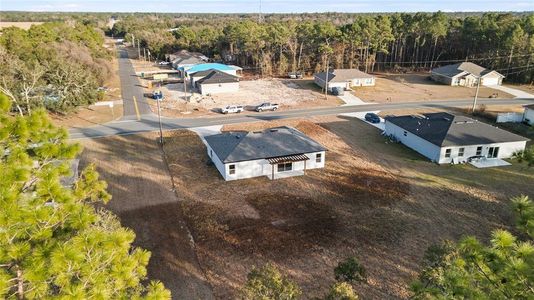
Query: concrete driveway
(517,93)
(350,99)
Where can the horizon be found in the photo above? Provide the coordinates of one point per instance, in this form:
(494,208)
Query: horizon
(267,7)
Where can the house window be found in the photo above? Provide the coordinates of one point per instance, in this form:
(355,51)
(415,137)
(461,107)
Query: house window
(232,169)
(448,153)
(318,157)
(285,167)
(479,151)
(461,152)
(405,133)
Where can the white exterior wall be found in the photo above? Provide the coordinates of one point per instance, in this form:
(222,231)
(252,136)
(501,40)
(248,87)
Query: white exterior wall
(261,167)
(216,161)
(414,142)
(217,88)
(363,81)
(505,151)
(529,116)
(492,79)
(331,85)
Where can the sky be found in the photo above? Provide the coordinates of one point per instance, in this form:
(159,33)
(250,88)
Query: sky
(268,6)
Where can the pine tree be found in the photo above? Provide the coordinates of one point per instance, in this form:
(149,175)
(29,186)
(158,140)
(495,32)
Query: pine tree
(54,243)
(471,270)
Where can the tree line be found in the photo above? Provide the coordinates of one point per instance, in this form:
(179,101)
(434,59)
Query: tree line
(370,42)
(57,65)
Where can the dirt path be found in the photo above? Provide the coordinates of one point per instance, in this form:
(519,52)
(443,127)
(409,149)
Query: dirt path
(144,200)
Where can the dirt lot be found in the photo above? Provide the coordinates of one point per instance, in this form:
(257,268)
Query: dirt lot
(417,87)
(21,25)
(88,116)
(529,88)
(376,200)
(143,198)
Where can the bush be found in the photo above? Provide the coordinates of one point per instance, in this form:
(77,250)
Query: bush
(341,291)
(350,271)
(268,283)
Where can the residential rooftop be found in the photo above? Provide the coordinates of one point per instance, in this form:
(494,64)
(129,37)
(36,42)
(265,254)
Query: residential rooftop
(271,143)
(444,129)
(343,75)
(456,69)
(216,76)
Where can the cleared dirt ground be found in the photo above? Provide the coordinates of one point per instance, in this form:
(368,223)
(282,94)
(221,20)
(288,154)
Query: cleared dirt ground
(417,87)
(375,200)
(143,198)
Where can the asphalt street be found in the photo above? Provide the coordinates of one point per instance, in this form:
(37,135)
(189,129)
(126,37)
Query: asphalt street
(149,122)
(130,88)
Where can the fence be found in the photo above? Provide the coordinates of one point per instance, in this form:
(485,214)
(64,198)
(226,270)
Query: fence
(510,117)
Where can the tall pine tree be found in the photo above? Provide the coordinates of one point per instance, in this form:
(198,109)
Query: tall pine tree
(54,243)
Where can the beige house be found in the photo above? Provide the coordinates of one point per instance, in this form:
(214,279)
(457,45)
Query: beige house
(466,74)
(344,78)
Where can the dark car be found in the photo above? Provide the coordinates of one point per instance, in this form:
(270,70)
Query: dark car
(372,117)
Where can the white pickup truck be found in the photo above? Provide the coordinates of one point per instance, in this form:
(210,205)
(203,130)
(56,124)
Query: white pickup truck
(267,106)
(234,109)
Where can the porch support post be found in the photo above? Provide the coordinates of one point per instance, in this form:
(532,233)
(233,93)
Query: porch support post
(272,168)
(304,167)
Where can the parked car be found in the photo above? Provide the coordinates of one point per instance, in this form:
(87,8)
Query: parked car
(234,109)
(267,106)
(163,63)
(294,75)
(157,95)
(372,118)
(338,91)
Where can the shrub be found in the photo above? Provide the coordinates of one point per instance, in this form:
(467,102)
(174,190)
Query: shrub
(350,271)
(268,283)
(341,291)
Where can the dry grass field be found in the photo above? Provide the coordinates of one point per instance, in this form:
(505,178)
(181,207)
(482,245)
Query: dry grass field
(417,87)
(21,25)
(375,200)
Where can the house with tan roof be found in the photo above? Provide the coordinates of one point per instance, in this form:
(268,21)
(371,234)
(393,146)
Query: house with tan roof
(344,78)
(466,74)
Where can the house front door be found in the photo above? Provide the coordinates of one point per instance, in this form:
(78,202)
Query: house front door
(493,152)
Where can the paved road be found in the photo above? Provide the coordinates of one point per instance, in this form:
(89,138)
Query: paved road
(130,88)
(150,122)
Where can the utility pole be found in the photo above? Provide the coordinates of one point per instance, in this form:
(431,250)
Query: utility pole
(159,119)
(476,95)
(326,80)
(185,86)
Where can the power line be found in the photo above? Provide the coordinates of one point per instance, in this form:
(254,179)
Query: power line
(450,60)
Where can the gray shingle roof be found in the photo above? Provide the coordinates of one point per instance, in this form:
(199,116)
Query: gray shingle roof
(444,129)
(216,76)
(274,142)
(343,75)
(455,69)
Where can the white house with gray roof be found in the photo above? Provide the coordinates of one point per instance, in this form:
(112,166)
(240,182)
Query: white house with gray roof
(466,74)
(344,78)
(446,138)
(528,115)
(275,153)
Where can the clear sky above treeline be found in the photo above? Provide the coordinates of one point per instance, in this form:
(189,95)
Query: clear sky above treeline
(267,6)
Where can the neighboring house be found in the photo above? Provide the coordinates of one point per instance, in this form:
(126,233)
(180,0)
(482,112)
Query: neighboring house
(344,78)
(466,74)
(216,82)
(446,138)
(229,69)
(528,116)
(184,58)
(276,153)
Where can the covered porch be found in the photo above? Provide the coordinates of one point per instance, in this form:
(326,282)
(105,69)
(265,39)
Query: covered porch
(288,166)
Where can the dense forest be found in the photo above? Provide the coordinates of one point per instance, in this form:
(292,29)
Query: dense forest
(276,44)
(58,65)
